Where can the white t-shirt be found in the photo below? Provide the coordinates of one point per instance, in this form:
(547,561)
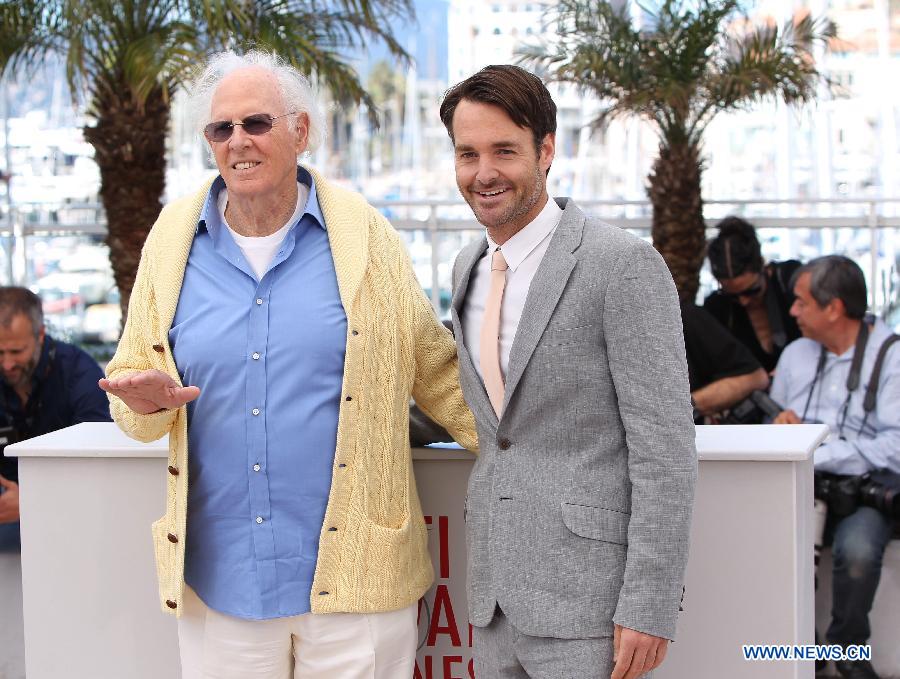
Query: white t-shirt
(259,251)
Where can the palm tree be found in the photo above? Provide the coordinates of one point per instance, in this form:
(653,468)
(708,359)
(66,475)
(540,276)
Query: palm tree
(691,61)
(126,58)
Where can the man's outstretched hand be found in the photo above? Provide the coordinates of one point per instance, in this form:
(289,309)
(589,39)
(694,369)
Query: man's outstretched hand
(149,391)
(636,653)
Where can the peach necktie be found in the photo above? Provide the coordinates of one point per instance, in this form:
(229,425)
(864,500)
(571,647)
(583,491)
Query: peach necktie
(489,346)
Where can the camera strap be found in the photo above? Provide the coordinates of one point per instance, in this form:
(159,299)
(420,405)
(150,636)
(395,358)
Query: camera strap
(871,397)
(859,351)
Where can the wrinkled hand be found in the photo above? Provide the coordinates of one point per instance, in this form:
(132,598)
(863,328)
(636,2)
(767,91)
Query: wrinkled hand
(9,501)
(787,417)
(149,391)
(636,653)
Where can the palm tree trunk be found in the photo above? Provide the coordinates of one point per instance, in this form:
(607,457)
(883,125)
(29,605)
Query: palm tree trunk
(129,144)
(678,228)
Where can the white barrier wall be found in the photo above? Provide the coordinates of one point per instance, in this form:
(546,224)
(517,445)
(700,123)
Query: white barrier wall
(89,495)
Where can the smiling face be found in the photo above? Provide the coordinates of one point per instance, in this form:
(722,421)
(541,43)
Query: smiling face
(498,171)
(260,166)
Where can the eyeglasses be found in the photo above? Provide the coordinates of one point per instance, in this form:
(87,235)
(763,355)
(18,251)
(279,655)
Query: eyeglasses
(752,291)
(256,124)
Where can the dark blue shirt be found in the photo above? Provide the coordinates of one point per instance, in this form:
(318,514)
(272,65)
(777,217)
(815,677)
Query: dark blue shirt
(64,392)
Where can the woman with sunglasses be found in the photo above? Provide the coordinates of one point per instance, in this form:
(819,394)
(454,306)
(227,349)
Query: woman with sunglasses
(754,297)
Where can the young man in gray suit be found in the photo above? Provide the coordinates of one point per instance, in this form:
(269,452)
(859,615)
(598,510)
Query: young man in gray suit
(572,360)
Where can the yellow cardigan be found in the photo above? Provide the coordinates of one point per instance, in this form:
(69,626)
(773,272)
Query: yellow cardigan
(377,559)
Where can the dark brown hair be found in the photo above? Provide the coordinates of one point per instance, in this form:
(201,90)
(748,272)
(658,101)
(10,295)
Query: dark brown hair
(736,250)
(14,301)
(520,94)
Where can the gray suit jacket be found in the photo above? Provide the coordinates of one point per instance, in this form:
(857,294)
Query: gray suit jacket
(579,504)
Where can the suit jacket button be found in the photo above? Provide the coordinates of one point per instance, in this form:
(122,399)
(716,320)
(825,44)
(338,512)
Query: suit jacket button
(505,444)
(171,604)
(172,538)
(158,348)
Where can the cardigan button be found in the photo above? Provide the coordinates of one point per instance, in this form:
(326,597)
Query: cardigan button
(505,444)
(172,538)
(171,604)
(158,348)
(173,470)
(323,593)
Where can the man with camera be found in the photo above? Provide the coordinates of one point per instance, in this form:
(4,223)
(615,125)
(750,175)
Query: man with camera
(843,372)
(46,385)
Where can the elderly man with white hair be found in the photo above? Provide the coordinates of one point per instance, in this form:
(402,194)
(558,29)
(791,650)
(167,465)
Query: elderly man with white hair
(276,332)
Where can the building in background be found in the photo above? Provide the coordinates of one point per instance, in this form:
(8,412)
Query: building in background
(842,148)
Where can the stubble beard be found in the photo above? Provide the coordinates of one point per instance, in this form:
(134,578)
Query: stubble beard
(517,210)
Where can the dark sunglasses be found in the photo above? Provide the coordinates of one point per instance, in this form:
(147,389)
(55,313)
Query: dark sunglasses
(256,124)
(752,291)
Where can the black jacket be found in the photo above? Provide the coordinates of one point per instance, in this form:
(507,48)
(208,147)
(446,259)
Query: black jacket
(64,392)
(779,298)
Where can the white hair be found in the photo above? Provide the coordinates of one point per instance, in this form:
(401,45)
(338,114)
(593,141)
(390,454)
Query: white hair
(296,92)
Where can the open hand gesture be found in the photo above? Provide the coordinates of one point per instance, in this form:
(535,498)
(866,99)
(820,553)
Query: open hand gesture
(149,391)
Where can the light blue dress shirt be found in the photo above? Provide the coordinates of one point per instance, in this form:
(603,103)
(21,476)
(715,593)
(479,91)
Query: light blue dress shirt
(851,448)
(268,356)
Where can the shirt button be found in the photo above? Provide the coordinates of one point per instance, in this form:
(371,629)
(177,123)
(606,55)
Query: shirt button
(255,355)
(255,411)
(256,467)
(259,519)
(259,300)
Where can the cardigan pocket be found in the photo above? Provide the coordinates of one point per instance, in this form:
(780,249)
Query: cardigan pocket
(161,547)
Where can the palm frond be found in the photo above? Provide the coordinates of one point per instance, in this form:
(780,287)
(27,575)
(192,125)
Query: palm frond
(688,62)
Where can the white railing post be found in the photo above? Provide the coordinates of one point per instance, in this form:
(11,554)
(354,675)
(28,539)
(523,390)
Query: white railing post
(434,235)
(873,247)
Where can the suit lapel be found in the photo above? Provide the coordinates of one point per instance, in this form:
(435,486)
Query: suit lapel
(544,293)
(468,260)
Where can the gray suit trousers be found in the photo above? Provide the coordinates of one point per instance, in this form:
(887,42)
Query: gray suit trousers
(504,652)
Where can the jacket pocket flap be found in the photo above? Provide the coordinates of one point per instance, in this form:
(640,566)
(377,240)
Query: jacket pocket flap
(596,523)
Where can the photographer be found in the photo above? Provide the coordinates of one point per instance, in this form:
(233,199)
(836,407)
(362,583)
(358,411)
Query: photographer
(722,372)
(833,375)
(46,385)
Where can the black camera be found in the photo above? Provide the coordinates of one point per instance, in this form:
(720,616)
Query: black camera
(753,410)
(843,494)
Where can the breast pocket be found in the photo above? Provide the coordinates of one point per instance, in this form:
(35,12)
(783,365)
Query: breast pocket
(559,337)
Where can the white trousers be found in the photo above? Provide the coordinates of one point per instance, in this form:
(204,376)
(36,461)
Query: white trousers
(324,646)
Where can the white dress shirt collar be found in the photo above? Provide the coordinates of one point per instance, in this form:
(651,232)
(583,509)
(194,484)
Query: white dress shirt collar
(517,248)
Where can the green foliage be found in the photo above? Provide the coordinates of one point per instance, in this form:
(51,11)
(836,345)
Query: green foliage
(145,46)
(692,61)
